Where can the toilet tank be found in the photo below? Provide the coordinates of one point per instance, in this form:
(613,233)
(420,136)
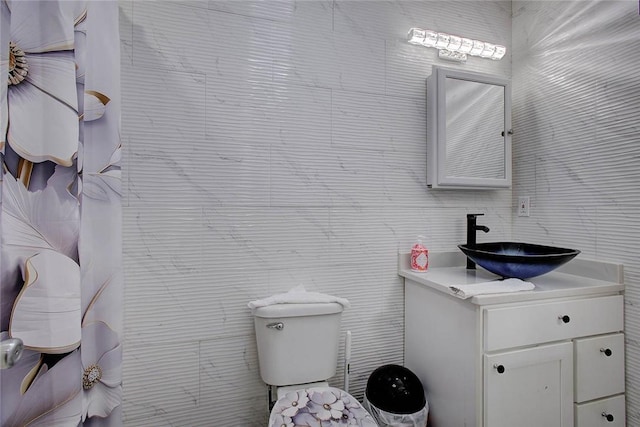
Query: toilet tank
(297,343)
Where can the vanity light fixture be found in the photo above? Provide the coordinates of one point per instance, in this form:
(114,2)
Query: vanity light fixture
(455,48)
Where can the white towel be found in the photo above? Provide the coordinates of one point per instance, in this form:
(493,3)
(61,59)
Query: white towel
(298,295)
(494,287)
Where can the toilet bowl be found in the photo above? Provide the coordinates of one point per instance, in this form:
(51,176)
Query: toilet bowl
(313,406)
(297,355)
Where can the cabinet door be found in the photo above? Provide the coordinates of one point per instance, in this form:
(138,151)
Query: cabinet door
(529,387)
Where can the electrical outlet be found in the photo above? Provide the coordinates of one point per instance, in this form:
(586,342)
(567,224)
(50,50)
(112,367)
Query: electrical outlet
(523,206)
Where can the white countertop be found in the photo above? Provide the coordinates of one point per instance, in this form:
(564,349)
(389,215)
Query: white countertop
(579,277)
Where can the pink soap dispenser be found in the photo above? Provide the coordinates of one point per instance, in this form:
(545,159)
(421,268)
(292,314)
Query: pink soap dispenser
(419,256)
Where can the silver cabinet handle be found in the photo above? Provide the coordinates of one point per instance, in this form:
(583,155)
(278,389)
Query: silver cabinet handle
(277,325)
(10,352)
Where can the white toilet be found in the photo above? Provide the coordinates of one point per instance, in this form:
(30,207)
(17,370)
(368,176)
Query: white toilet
(298,353)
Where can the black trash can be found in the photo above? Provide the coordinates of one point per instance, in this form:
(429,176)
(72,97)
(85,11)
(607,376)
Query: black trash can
(395,397)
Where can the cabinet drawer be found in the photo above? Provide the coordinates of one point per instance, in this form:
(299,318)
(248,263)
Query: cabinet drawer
(601,413)
(599,367)
(515,326)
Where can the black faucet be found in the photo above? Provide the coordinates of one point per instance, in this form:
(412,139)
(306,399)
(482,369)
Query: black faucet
(472,227)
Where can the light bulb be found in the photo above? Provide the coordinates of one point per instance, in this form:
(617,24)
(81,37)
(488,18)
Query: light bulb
(454,43)
(430,38)
(416,36)
(477,48)
(488,50)
(466,45)
(443,41)
(499,52)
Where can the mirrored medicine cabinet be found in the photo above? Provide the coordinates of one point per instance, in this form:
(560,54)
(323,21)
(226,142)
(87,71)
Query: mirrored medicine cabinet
(468,130)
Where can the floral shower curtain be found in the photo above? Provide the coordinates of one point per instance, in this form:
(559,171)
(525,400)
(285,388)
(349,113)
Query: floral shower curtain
(61,267)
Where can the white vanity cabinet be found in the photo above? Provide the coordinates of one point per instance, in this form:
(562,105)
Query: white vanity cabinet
(549,357)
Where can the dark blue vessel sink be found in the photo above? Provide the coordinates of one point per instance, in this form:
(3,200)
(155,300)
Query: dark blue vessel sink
(518,260)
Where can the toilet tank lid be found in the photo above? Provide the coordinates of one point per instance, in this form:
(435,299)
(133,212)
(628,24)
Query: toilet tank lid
(297,310)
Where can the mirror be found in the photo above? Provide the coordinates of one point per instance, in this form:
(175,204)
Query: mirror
(468,130)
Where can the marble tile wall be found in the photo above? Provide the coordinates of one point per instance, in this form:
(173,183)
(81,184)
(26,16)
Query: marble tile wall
(269,144)
(576,145)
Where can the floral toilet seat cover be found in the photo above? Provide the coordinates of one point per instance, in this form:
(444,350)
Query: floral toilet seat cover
(319,407)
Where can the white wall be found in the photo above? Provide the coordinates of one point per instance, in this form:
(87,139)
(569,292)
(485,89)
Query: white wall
(270,144)
(577,139)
